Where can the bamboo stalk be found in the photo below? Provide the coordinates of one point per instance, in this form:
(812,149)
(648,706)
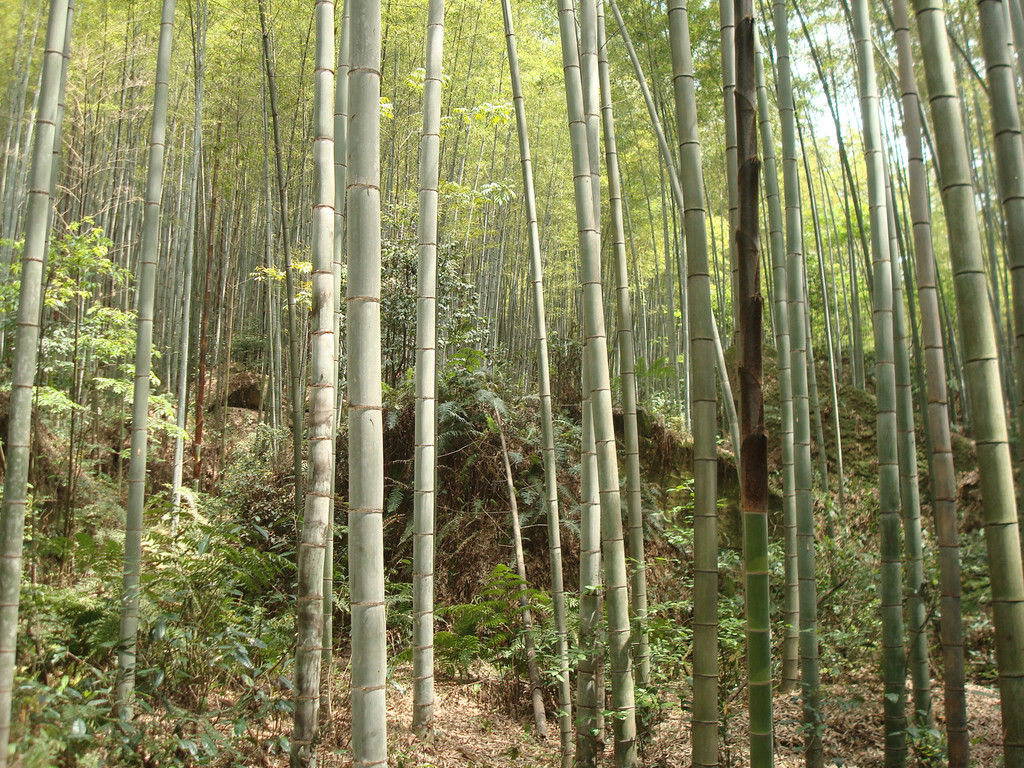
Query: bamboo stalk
(23,367)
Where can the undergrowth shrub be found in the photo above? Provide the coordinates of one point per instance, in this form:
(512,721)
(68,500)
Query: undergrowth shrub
(486,636)
(256,490)
(213,672)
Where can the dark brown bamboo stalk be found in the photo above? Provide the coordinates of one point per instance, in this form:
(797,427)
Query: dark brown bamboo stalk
(754,441)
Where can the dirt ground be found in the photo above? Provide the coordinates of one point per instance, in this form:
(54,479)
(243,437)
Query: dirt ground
(484,723)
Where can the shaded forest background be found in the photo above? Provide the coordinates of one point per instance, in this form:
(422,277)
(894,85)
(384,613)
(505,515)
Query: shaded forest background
(216,644)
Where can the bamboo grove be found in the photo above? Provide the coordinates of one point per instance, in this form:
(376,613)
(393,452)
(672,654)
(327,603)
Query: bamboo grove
(681,214)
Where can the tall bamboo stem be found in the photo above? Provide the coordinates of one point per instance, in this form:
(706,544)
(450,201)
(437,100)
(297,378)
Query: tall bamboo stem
(891,589)
(294,364)
(365,449)
(425,461)
(942,475)
(809,661)
(634,514)
(596,361)
(706,351)
(316,520)
(23,366)
(791,631)
(544,388)
(148,255)
(754,448)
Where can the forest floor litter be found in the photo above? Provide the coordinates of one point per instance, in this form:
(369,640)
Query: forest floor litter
(479,722)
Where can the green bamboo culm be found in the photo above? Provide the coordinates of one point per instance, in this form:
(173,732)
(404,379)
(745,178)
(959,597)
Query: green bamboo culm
(365,446)
(425,460)
(294,365)
(1009,155)
(181,409)
(981,365)
(791,609)
(818,225)
(589,697)
(704,417)
(340,177)
(910,495)
(148,256)
(796,273)
(322,372)
(889,533)
(23,366)
(591,689)
(58,130)
(754,445)
(727,28)
(1016,14)
(677,196)
(627,361)
(943,474)
(676,188)
(599,387)
(273,294)
(544,389)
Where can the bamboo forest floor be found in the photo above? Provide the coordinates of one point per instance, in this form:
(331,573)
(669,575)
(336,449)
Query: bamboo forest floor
(485,722)
(853,736)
